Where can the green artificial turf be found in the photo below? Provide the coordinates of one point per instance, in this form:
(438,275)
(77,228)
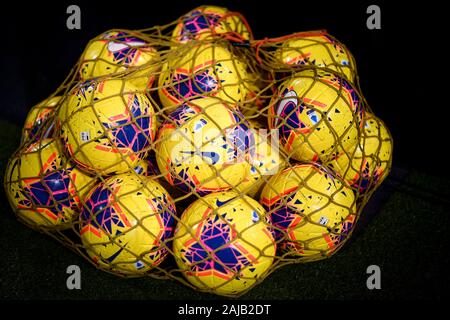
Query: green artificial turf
(408,238)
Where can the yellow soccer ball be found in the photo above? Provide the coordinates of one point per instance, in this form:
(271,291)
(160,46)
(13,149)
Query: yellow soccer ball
(208,21)
(43,187)
(267,161)
(204,146)
(316,112)
(117,51)
(107,126)
(222,243)
(311,211)
(37,118)
(257,96)
(318,48)
(127,224)
(369,163)
(206,70)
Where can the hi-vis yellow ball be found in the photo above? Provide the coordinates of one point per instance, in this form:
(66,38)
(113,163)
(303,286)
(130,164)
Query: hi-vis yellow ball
(312,211)
(318,48)
(37,117)
(267,161)
(107,126)
(257,96)
(205,146)
(117,51)
(368,164)
(205,22)
(316,112)
(43,187)
(223,244)
(127,224)
(206,70)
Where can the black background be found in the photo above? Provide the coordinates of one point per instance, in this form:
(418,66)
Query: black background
(399,68)
(396,64)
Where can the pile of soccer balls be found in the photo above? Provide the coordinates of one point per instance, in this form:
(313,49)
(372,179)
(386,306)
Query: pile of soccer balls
(194,151)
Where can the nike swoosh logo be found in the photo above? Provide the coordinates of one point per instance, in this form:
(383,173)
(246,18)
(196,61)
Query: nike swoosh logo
(117,46)
(116,254)
(221,203)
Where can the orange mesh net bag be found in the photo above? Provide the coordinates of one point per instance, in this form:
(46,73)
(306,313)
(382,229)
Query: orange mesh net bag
(194,152)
